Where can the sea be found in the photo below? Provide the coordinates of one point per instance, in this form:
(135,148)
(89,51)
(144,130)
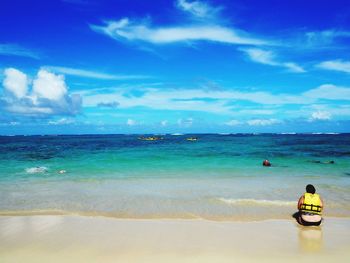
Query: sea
(212,176)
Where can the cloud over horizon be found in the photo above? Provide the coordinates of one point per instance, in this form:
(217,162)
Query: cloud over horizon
(222,102)
(48,95)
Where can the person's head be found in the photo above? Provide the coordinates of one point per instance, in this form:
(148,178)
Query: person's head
(310,189)
(266,163)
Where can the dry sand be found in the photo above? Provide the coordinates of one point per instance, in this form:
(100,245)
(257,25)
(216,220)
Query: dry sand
(98,239)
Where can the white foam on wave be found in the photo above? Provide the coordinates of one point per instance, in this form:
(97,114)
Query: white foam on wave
(256,202)
(39,169)
(327,133)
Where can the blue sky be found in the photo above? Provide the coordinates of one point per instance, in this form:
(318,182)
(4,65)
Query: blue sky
(80,66)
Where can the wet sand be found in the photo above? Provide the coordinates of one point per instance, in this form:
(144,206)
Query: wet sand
(56,238)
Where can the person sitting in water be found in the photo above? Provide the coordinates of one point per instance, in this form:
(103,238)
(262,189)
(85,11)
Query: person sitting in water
(310,207)
(266,163)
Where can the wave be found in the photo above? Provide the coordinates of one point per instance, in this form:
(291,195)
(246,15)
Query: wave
(35,170)
(327,133)
(256,202)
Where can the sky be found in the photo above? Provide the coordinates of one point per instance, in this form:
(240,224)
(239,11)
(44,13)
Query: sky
(174,66)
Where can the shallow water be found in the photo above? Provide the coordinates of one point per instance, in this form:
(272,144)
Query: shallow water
(216,177)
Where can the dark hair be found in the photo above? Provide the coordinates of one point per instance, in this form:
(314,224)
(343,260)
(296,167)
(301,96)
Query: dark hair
(310,189)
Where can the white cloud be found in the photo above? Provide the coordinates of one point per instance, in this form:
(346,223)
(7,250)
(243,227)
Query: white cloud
(320,115)
(293,67)
(171,99)
(91,74)
(262,122)
(336,65)
(48,96)
(49,86)
(233,123)
(9,123)
(268,57)
(164,123)
(131,122)
(198,9)
(124,29)
(212,101)
(261,56)
(15,50)
(62,121)
(15,82)
(328,92)
(324,38)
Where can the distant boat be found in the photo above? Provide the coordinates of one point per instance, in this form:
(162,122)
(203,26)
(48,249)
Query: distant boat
(150,138)
(192,139)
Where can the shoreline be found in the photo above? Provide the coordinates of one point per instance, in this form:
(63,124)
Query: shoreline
(117,216)
(54,238)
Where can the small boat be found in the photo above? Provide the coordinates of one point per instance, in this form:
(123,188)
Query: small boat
(150,138)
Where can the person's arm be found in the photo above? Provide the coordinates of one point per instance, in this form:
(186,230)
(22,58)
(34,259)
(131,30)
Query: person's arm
(322,204)
(300,202)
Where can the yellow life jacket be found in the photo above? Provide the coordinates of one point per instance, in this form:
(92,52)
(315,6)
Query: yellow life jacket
(312,204)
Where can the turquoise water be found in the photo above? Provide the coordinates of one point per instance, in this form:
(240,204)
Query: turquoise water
(216,177)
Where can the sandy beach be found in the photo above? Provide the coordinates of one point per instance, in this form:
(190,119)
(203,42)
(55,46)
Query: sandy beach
(99,239)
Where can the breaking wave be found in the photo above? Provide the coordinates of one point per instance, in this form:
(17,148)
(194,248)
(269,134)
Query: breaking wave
(256,202)
(39,169)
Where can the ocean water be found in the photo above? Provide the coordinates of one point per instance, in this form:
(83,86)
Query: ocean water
(217,177)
